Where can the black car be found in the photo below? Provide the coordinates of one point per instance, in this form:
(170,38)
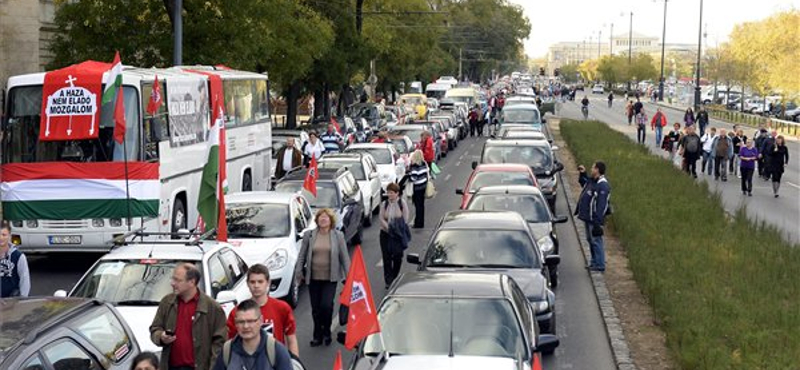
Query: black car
(494,242)
(538,154)
(338,190)
(453,321)
(63,333)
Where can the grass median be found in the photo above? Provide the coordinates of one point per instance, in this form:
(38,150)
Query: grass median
(725,289)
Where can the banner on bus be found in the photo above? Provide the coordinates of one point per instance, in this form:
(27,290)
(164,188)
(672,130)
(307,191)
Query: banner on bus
(71,102)
(75,191)
(187,100)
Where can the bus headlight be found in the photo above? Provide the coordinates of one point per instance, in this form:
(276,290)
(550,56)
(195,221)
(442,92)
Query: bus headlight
(115,222)
(16,223)
(31,224)
(277,260)
(98,222)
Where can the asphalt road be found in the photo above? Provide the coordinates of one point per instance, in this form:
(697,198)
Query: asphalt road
(584,343)
(782,212)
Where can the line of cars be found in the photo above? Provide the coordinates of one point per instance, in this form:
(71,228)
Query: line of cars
(482,296)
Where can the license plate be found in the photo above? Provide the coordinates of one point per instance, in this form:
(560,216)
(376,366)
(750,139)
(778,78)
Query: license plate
(65,239)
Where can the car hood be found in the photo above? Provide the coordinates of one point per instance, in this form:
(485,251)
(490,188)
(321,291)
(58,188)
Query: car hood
(540,229)
(258,250)
(443,362)
(531,281)
(139,320)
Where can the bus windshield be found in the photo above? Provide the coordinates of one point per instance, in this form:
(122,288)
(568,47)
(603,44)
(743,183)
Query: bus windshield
(20,141)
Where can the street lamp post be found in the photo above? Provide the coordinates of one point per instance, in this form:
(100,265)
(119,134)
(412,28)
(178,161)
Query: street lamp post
(177,33)
(611,41)
(663,45)
(699,51)
(599,39)
(630,49)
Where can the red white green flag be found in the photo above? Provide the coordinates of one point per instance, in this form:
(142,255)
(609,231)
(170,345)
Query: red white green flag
(214,181)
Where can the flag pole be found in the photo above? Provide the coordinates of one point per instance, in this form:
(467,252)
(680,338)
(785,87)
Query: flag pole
(125,159)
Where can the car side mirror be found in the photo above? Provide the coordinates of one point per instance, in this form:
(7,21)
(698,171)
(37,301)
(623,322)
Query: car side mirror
(552,260)
(413,258)
(547,343)
(459,191)
(60,293)
(226,296)
(560,219)
(373,175)
(474,164)
(554,148)
(559,167)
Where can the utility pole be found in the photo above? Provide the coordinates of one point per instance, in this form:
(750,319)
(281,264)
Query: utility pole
(599,38)
(177,33)
(699,53)
(663,46)
(611,41)
(630,50)
(460,63)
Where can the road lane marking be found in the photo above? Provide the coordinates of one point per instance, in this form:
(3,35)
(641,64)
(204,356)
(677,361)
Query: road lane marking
(446,178)
(792,184)
(457,164)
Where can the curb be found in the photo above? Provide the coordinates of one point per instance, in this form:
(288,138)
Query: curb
(616,337)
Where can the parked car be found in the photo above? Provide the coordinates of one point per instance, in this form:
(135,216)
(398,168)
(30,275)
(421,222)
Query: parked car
(494,175)
(521,114)
(449,124)
(389,168)
(267,227)
(427,314)
(365,171)
(48,333)
(403,146)
(137,275)
(598,89)
(338,190)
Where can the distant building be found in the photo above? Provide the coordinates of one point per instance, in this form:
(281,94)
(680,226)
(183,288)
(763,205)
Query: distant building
(26,28)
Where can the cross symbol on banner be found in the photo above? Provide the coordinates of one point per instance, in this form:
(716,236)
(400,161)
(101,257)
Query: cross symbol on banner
(71,81)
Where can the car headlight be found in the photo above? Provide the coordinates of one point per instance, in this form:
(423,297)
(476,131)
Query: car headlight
(541,306)
(277,260)
(546,244)
(31,224)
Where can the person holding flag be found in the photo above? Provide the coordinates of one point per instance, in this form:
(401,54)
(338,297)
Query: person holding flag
(323,261)
(332,139)
(362,318)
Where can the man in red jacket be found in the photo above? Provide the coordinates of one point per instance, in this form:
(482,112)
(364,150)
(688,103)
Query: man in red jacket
(658,122)
(426,145)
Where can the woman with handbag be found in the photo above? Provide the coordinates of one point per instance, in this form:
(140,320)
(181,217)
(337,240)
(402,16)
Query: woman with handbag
(323,261)
(418,174)
(394,236)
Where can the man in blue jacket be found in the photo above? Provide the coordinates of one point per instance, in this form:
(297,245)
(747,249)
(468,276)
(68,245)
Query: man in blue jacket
(592,209)
(252,348)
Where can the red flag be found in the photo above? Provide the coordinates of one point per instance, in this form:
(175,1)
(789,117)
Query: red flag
(537,362)
(119,118)
(155,98)
(337,364)
(336,125)
(357,295)
(310,182)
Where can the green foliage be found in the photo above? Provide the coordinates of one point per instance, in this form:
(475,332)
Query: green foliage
(724,287)
(570,72)
(613,69)
(643,68)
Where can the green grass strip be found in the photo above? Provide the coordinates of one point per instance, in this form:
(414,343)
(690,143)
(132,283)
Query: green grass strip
(726,289)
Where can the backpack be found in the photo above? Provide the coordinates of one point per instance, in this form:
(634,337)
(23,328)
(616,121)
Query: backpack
(691,144)
(270,343)
(399,202)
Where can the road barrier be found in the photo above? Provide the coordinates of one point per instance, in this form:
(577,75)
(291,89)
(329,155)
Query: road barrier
(783,126)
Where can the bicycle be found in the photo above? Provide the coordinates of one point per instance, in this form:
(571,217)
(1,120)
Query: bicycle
(585,110)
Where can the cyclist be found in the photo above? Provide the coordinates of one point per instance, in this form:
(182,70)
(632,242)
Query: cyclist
(585,107)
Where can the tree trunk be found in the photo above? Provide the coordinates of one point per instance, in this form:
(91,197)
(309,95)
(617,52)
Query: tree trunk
(291,105)
(359,15)
(318,104)
(394,93)
(326,102)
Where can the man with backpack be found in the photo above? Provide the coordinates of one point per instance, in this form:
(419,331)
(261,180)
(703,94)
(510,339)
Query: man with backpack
(690,150)
(252,348)
(15,279)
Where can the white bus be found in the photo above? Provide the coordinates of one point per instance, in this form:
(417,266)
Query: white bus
(177,145)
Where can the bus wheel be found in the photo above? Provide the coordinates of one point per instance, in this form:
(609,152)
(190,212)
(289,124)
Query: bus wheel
(178,215)
(247,182)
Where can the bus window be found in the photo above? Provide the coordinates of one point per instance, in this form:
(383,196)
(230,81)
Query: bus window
(239,99)
(156,127)
(261,103)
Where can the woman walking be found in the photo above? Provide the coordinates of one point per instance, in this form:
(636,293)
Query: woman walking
(394,236)
(641,126)
(688,117)
(778,156)
(629,112)
(739,142)
(671,140)
(323,262)
(748,155)
(418,175)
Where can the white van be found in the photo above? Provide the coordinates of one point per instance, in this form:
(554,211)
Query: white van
(436,90)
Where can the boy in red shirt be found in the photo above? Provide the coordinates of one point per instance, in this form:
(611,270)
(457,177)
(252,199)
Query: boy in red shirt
(277,314)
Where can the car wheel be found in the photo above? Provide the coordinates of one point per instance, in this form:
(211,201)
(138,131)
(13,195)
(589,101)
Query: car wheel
(178,216)
(553,271)
(293,297)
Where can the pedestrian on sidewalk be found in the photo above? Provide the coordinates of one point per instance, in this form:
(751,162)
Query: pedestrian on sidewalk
(702,119)
(759,137)
(253,347)
(610,98)
(739,140)
(778,159)
(629,112)
(419,175)
(641,126)
(394,236)
(323,261)
(708,160)
(722,149)
(658,123)
(637,107)
(688,117)
(15,278)
(765,149)
(426,146)
(671,140)
(473,121)
(592,209)
(690,147)
(748,155)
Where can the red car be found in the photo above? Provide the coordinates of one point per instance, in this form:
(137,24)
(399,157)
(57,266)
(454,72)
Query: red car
(443,143)
(494,175)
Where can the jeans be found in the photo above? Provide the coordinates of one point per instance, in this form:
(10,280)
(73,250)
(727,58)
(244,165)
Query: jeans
(596,248)
(419,206)
(734,164)
(721,167)
(658,134)
(322,294)
(640,134)
(691,164)
(391,263)
(747,179)
(707,163)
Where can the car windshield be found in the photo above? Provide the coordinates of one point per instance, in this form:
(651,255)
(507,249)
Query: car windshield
(355,167)
(133,282)
(434,325)
(521,115)
(19,316)
(462,99)
(492,178)
(413,134)
(412,101)
(362,111)
(326,193)
(537,157)
(482,248)
(257,220)
(401,146)
(381,155)
(531,207)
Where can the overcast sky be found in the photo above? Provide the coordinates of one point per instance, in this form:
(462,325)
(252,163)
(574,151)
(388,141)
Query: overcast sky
(577,20)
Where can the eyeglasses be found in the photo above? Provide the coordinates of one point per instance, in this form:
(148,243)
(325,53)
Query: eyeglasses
(247,322)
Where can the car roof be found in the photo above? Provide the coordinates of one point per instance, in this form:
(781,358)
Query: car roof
(443,284)
(386,146)
(164,250)
(278,197)
(524,106)
(485,220)
(502,167)
(322,174)
(509,189)
(343,156)
(516,142)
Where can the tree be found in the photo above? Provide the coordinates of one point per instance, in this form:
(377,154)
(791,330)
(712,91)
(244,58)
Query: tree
(642,68)
(588,70)
(613,69)
(570,72)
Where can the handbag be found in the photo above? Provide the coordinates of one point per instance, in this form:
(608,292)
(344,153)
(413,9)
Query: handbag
(430,190)
(435,169)
(409,190)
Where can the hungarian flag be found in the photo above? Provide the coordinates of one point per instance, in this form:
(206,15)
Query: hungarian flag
(119,118)
(214,181)
(336,125)
(357,295)
(155,98)
(310,182)
(113,80)
(337,364)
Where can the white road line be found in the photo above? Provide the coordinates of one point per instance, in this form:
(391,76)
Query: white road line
(462,156)
(793,184)
(458,164)
(446,178)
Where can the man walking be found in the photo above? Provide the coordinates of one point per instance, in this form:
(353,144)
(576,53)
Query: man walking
(592,209)
(690,150)
(332,140)
(657,124)
(253,348)
(702,119)
(289,157)
(189,325)
(722,149)
(277,316)
(708,158)
(637,107)
(15,279)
